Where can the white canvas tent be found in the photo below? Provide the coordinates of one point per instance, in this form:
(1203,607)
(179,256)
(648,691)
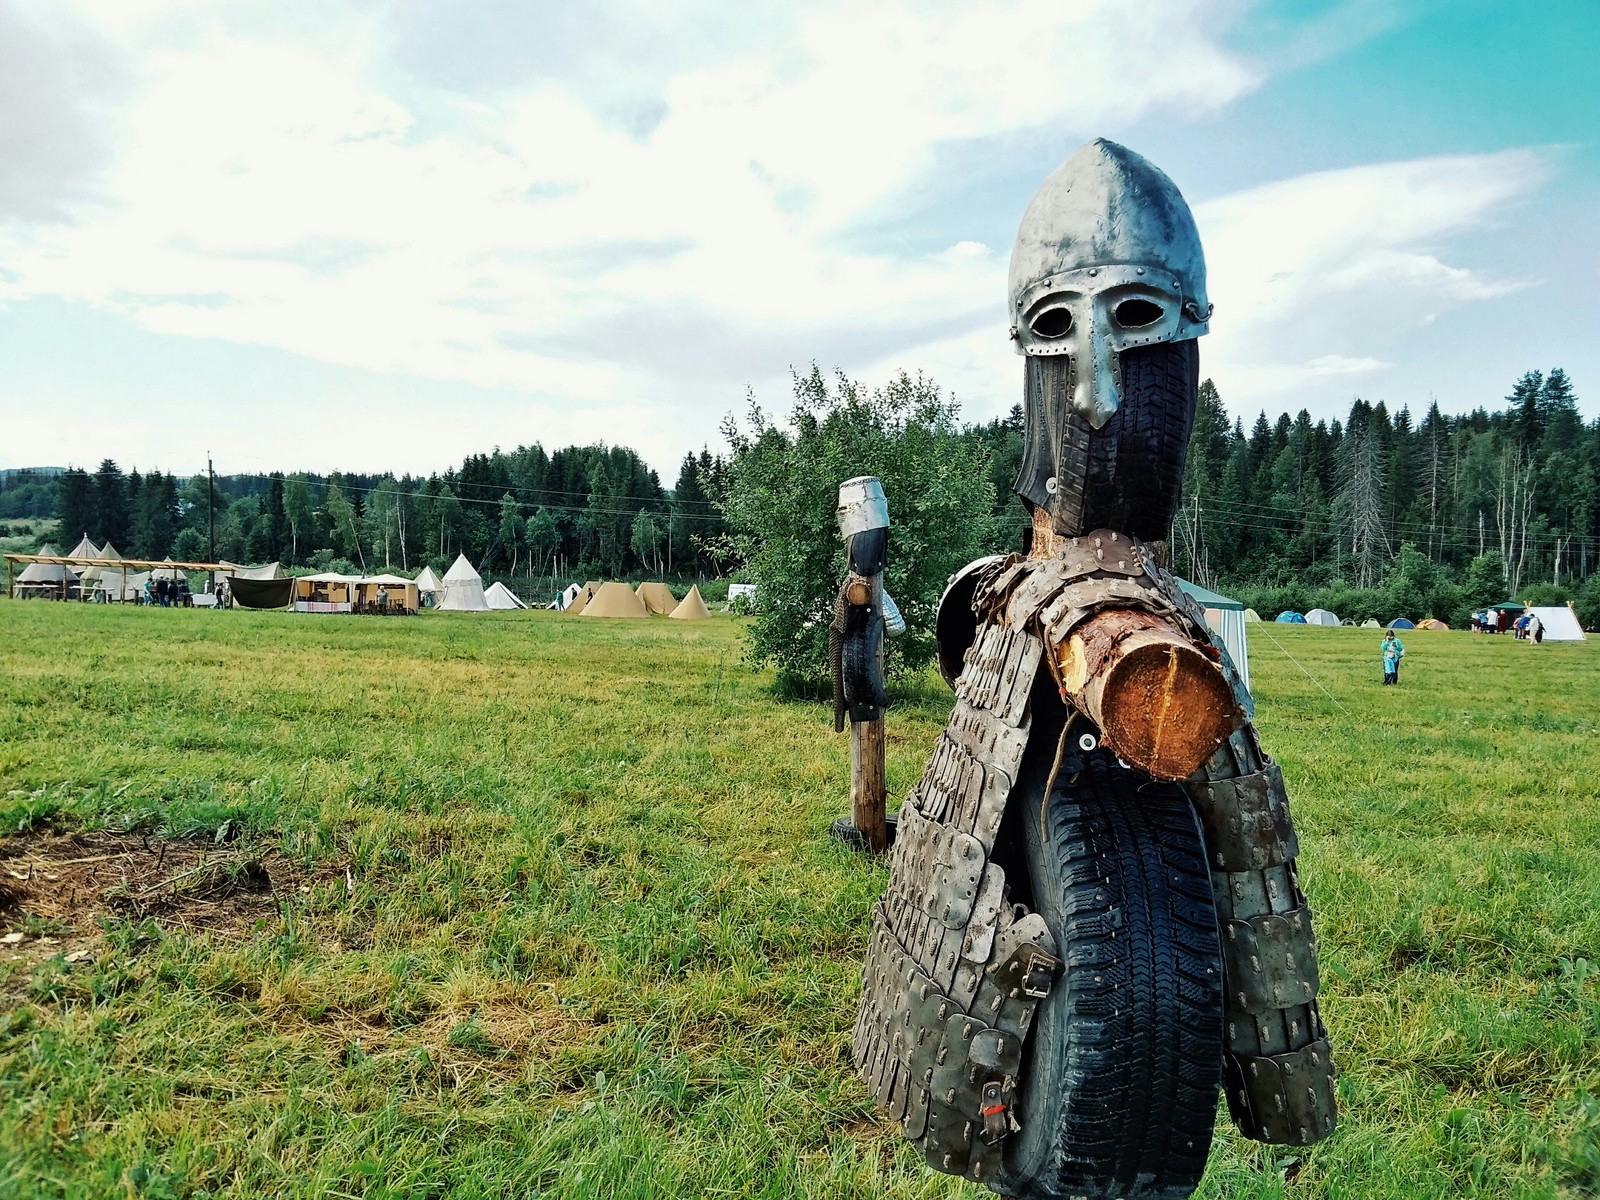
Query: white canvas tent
(1560,624)
(430,584)
(1321,616)
(1225,618)
(501,598)
(463,588)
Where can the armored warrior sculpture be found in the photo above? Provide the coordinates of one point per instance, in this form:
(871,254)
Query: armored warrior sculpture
(1093,917)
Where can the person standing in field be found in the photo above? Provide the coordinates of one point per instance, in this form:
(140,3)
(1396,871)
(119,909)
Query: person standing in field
(1535,628)
(1393,652)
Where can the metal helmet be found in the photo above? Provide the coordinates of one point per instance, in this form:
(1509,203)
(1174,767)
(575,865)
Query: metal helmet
(1107,259)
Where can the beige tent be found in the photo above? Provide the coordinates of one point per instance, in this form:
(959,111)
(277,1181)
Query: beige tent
(615,600)
(498,596)
(1251,616)
(463,588)
(585,594)
(51,579)
(85,549)
(1371,623)
(1432,623)
(691,607)
(657,598)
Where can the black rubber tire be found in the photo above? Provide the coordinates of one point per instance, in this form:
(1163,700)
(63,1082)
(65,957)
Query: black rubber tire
(1122,1068)
(1128,475)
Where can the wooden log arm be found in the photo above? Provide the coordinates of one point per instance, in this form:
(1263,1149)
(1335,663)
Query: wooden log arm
(1156,693)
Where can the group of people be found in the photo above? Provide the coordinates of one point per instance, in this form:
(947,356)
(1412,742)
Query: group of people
(1528,627)
(168,593)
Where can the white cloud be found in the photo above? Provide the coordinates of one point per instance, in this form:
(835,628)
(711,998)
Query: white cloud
(1320,278)
(284,192)
(296,189)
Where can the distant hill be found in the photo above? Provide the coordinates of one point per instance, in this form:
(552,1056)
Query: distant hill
(7,474)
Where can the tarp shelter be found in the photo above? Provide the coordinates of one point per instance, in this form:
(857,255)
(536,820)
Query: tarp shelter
(1225,617)
(1251,616)
(501,598)
(569,594)
(691,607)
(463,588)
(1402,623)
(615,600)
(1560,624)
(657,598)
(429,584)
(1289,617)
(47,579)
(1371,623)
(330,591)
(1321,616)
(249,592)
(1433,623)
(269,570)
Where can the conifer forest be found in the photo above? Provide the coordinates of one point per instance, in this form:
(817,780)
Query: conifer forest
(1383,513)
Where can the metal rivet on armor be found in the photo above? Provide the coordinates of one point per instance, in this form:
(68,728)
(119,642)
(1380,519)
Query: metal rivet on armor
(996,1002)
(1288,961)
(1242,999)
(1255,1068)
(1255,963)
(1233,1031)
(950,1096)
(1316,1058)
(1094,270)
(966,1029)
(927,1075)
(1294,1031)
(1050,485)
(1306,988)
(939,1058)
(1288,1068)
(1097,979)
(1233,934)
(1279,1100)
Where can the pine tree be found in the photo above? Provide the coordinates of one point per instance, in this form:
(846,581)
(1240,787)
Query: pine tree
(111,504)
(76,505)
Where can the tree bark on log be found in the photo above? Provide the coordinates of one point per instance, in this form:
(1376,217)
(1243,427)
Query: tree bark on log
(1157,695)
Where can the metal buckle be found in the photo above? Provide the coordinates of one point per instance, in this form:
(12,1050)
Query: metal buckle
(1037,979)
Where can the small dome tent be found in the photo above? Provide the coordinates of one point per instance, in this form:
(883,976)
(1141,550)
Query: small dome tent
(1251,617)
(1321,616)
(1289,617)
(1402,623)
(1433,623)
(1371,623)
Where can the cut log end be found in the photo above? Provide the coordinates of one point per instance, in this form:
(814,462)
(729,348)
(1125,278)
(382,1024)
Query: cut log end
(1159,698)
(1166,708)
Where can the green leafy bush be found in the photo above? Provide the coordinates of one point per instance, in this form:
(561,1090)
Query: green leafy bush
(782,490)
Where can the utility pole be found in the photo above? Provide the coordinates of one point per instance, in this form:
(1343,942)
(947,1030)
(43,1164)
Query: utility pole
(211,519)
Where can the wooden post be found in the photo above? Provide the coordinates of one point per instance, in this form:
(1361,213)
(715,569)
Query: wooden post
(1158,696)
(869,791)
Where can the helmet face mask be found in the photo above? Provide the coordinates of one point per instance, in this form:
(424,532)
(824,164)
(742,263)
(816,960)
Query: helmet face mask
(1107,261)
(1094,314)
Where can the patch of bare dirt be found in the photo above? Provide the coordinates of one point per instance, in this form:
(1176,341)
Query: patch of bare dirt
(55,887)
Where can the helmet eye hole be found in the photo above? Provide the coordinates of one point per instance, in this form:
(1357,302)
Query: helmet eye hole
(1053,323)
(1136,314)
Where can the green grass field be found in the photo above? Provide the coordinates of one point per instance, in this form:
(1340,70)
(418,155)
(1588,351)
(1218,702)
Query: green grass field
(554,912)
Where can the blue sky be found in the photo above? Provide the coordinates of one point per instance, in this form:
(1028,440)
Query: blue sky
(380,236)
